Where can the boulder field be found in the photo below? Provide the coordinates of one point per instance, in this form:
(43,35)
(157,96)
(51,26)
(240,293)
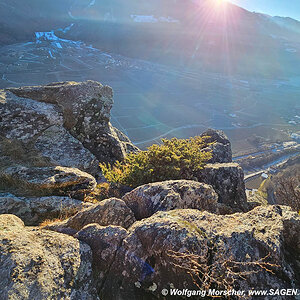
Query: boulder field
(181,248)
(182,234)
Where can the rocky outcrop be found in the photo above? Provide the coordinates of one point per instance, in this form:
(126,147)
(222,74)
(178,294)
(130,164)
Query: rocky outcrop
(34,210)
(228,181)
(112,211)
(147,199)
(220,146)
(82,109)
(51,138)
(226,177)
(39,264)
(47,181)
(259,249)
(39,127)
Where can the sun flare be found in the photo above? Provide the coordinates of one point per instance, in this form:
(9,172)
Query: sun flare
(220,1)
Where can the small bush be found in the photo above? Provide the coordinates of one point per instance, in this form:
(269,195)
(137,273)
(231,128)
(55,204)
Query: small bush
(173,159)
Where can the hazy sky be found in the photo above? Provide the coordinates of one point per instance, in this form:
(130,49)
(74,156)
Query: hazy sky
(285,8)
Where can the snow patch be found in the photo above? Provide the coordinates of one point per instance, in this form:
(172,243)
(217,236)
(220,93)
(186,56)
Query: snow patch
(295,136)
(143,19)
(152,19)
(58,45)
(50,36)
(292,122)
(291,50)
(65,30)
(92,3)
(51,54)
(168,20)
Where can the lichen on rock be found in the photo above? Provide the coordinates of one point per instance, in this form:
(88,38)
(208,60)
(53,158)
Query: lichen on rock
(40,264)
(147,199)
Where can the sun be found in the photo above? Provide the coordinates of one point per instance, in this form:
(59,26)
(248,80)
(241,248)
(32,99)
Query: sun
(220,1)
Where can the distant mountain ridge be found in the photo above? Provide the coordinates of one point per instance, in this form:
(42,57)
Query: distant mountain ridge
(202,34)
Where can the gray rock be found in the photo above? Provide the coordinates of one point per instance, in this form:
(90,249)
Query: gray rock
(62,149)
(161,252)
(111,211)
(34,210)
(147,199)
(47,181)
(39,264)
(85,107)
(221,146)
(67,124)
(104,242)
(228,181)
(23,119)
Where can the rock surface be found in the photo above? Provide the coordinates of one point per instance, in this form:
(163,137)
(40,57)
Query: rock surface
(82,108)
(157,250)
(39,264)
(111,211)
(34,210)
(39,126)
(147,199)
(227,180)
(104,242)
(47,181)
(69,152)
(221,146)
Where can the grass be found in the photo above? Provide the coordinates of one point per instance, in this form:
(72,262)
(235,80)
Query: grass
(16,152)
(64,214)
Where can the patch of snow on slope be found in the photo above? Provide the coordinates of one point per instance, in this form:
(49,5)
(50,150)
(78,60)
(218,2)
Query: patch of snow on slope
(143,19)
(152,19)
(292,50)
(50,36)
(65,30)
(168,20)
(92,3)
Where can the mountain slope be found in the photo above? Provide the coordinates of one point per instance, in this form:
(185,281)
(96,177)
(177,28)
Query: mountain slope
(203,34)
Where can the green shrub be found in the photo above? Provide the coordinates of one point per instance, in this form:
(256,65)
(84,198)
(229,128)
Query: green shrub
(173,159)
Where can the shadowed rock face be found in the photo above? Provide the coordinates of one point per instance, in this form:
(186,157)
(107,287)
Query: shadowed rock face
(40,264)
(221,146)
(104,242)
(227,179)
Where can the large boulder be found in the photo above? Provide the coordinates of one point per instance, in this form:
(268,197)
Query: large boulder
(111,211)
(34,210)
(147,199)
(177,249)
(84,111)
(27,125)
(220,146)
(227,179)
(39,264)
(47,181)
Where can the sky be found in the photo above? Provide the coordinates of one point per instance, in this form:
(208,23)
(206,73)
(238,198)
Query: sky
(284,8)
